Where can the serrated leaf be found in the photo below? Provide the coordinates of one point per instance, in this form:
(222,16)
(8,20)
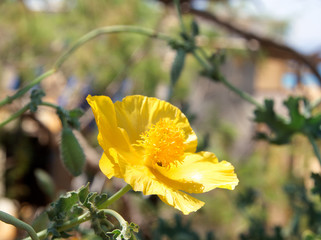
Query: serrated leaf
(281,133)
(297,120)
(101,201)
(89,202)
(83,193)
(60,208)
(71,152)
(177,66)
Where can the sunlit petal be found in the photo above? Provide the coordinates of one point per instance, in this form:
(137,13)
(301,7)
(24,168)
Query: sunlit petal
(203,169)
(135,114)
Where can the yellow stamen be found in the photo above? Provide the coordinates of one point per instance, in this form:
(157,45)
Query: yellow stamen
(164,143)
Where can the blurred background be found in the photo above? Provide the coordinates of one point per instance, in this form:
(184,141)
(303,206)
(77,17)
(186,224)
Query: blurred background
(272,50)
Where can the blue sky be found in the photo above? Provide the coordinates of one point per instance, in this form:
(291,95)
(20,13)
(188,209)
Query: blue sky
(304,16)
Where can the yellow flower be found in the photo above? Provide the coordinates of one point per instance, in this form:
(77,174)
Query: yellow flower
(150,144)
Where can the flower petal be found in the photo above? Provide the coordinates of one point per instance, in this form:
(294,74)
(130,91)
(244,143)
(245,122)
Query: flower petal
(181,201)
(135,114)
(110,134)
(204,169)
(108,165)
(141,178)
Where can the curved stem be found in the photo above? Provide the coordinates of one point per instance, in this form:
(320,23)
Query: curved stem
(95,33)
(15,115)
(119,218)
(48,104)
(67,225)
(115,197)
(25,89)
(74,222)
(86,216)
(111,29)
(7,218)
(315,147)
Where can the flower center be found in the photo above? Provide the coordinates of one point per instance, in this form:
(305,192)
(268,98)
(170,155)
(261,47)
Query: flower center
(164,143)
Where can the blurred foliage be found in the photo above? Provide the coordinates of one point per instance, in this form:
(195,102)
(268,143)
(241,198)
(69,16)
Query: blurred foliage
(297,122)
(124,63)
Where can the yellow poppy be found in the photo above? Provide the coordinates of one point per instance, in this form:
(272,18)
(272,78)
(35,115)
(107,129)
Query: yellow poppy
(151,145)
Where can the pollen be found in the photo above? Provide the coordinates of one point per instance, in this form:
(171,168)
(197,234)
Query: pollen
(163,143)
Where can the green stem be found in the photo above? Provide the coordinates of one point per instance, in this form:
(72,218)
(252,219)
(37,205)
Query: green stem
(111,29)
(85,217)
(229,85)
(179,14)
(15,115)
(23,110)
(7,218)
(75,222)
(315,147)
(203,62)
(22,91)
(115,197)
(119,218)
(239,92)
(80,42)
(48,104)
(67,225)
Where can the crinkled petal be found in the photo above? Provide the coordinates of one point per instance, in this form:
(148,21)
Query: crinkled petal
(108,164)
(141,178)
(181,201)
(204,170)
(135,114)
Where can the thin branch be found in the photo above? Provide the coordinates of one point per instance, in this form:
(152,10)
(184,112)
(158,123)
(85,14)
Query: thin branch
(266,43)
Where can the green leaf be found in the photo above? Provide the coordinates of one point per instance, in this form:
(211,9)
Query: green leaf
(71,152)
(60,209)
(313,126)
(280,131)
(83,193)
(101,201)
(36,99)
(76,113)
(195,28)
(317,183)
(45,182)
(297,120)
(177,66)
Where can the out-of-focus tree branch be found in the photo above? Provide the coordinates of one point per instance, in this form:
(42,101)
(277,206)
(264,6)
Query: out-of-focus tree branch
(272,47)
